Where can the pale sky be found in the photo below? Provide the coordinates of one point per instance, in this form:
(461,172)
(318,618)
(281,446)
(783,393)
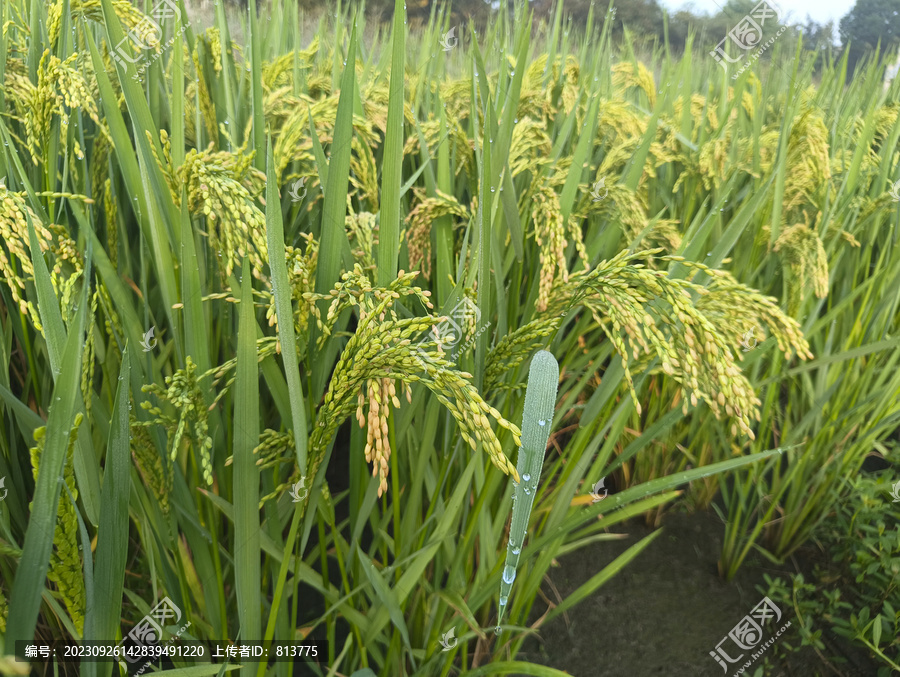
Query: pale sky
(796,10)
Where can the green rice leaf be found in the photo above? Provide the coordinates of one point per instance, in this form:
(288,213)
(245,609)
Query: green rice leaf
(102,617)
(246,473)
(281,289)
(392,163)
(28,585)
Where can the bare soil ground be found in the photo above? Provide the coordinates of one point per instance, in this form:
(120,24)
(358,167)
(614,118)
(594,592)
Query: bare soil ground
(667,609)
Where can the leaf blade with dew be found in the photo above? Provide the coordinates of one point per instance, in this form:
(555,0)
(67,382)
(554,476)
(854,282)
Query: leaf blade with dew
(537,417)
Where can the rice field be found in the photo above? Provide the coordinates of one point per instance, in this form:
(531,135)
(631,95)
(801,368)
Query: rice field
(336,340)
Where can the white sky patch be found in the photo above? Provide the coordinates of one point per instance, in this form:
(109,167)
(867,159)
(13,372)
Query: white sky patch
(796,11)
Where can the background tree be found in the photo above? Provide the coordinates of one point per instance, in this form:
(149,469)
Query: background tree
(869,22)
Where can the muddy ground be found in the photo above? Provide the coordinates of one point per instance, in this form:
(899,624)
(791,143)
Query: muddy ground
(667,609)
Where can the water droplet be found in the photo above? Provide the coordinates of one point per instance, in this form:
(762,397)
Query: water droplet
(542,422)
(503,600)
(497,630)
(526,477)
(516,551)
(509,574)
(528,491)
